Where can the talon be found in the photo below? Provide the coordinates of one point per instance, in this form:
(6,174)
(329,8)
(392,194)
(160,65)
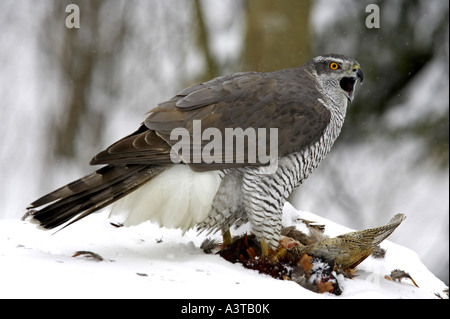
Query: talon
(272,255)
(279,255)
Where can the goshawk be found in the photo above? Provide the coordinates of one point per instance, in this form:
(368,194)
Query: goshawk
(208,179)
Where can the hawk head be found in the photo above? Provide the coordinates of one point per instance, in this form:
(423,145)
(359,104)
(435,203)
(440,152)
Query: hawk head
(337,74)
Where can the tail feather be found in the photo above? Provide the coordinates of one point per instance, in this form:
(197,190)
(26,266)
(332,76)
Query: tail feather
(86,195)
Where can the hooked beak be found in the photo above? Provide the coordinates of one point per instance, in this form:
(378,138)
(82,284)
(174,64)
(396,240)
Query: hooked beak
(348,83)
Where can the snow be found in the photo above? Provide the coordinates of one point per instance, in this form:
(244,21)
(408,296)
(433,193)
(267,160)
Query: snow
(146,261)
(380,176)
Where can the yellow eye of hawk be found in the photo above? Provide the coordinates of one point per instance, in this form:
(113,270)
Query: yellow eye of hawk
(334,66)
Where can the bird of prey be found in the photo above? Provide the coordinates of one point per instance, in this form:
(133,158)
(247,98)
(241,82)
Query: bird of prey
(184,183)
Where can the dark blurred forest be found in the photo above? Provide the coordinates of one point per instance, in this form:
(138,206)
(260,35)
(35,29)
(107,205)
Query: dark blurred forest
(87,60)
(277,34)
(93,84)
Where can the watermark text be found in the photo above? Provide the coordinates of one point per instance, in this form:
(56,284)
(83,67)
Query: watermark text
(231,145)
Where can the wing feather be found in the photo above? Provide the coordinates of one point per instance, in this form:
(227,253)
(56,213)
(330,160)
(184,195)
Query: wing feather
(287,100)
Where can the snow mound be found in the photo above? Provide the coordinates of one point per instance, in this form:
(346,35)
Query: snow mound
(147,261)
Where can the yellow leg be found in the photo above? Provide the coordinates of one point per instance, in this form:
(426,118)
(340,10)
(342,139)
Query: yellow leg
(274,256)
(279,255)
(226,235)
(264,248)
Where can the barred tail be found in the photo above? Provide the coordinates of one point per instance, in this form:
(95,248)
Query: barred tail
(89,194)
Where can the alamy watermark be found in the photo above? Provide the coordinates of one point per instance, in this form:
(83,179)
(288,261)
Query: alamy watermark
(73,18)
(257,146)
(373,19)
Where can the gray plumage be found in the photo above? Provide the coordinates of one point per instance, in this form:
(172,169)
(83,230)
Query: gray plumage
(307,105)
